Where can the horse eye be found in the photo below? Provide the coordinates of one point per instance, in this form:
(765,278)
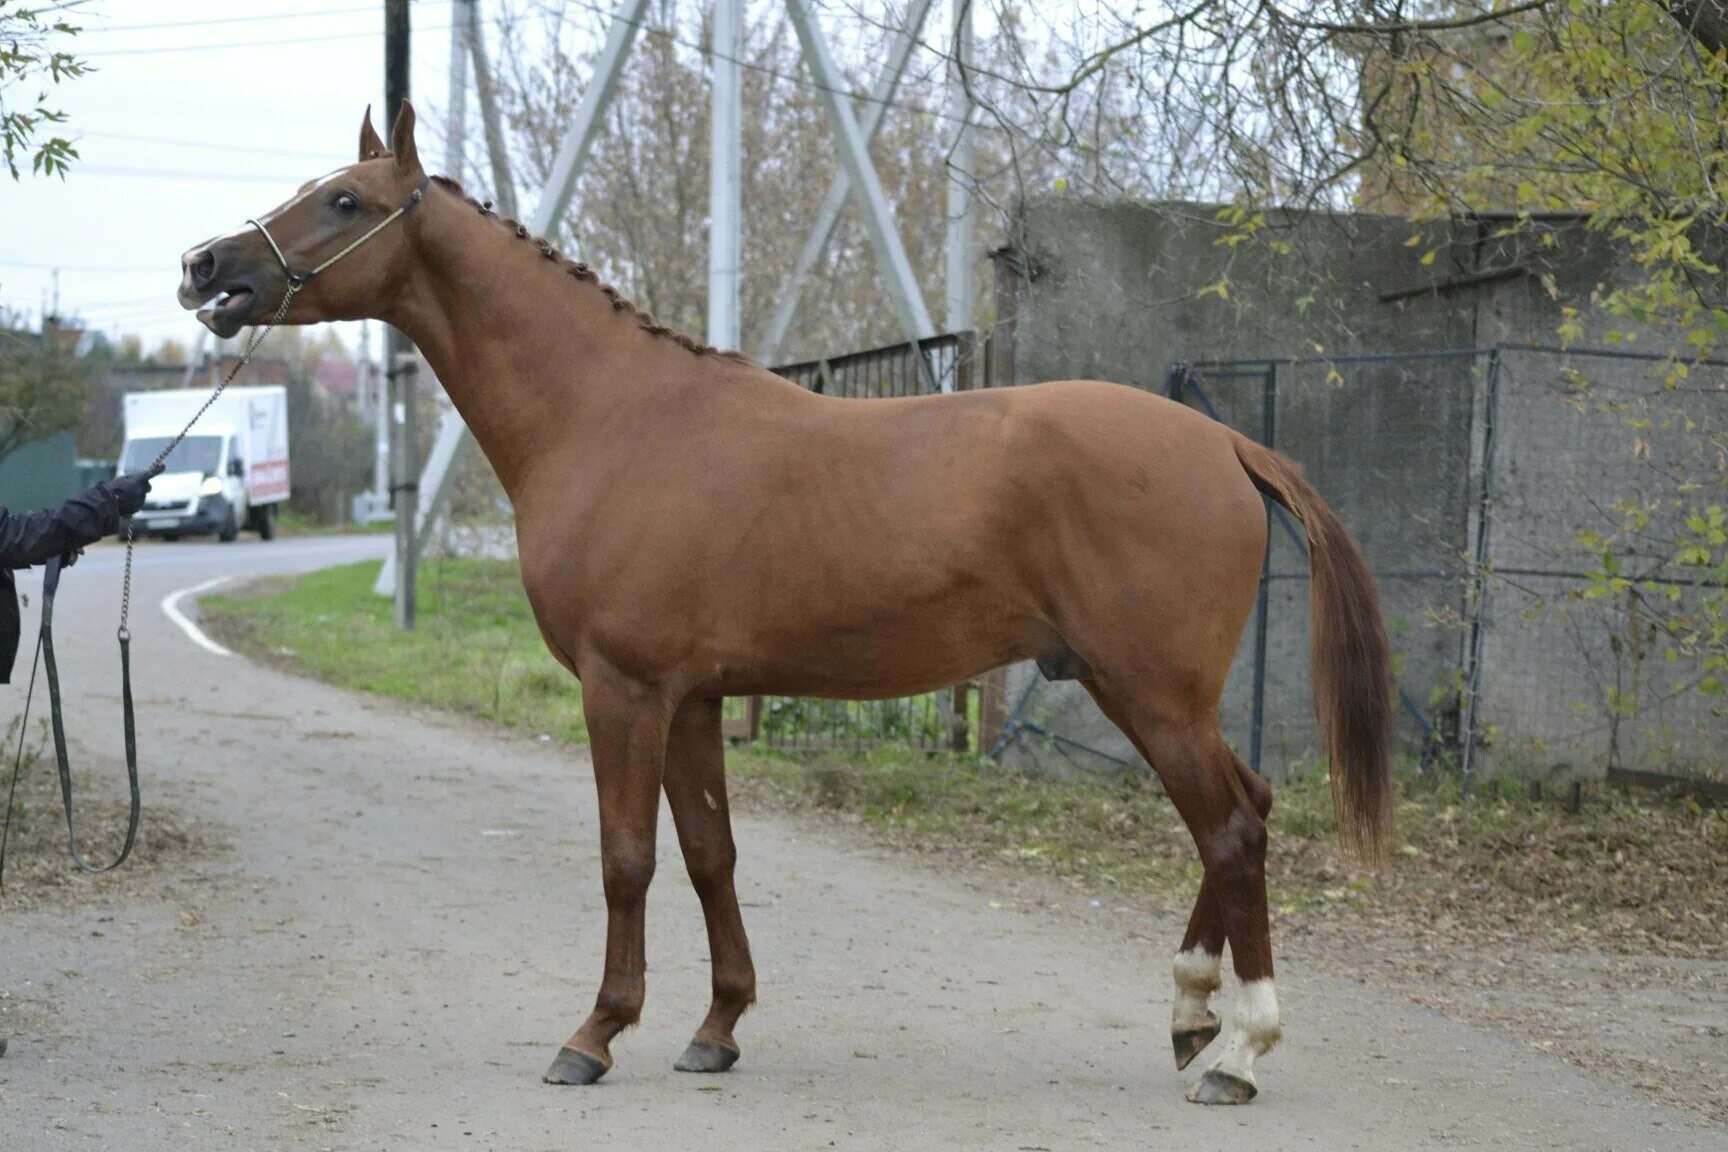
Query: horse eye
(347,203)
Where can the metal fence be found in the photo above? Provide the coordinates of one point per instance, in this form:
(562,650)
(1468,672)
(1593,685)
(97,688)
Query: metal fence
(943,363)
(1482,483)
(945,720)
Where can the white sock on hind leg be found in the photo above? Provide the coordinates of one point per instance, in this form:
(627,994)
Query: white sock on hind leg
(1198,975)
(1254,1028)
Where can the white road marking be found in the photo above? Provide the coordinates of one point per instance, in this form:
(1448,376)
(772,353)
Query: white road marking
(171,609)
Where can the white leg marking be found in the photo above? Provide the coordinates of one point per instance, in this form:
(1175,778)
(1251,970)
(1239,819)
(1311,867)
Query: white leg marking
(1254,1029)
(1197,974)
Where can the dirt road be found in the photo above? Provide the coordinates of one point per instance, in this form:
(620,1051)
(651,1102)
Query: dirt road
(409,922)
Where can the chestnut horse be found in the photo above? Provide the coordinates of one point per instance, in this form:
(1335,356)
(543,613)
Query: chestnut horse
(692,527)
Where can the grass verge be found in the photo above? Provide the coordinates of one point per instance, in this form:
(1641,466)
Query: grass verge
(476,649)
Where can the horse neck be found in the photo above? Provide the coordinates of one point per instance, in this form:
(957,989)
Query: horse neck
(532,357)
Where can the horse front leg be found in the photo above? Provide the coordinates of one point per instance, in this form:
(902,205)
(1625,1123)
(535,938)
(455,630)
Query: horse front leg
(696,791)
(627,733)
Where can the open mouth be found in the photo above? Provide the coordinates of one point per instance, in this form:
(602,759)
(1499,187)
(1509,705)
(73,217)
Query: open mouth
(227,314)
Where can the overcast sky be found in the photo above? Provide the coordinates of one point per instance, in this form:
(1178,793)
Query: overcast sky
(198,115)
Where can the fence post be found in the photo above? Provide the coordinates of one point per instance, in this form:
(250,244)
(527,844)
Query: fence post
(959,734)
(1479,575)
(999,373)
(965,351)
(1007,312)
(992,708)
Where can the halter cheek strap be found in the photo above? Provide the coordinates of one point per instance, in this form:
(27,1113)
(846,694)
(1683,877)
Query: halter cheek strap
(297,280)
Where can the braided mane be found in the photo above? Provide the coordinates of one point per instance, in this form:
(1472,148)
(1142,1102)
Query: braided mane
(584,273)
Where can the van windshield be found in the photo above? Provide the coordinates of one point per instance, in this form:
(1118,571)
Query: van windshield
(202,454)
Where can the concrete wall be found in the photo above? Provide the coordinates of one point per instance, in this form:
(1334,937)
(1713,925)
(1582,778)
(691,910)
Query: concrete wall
(1121,291)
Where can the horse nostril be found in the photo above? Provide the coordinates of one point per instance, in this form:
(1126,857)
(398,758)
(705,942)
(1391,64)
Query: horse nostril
(203,268)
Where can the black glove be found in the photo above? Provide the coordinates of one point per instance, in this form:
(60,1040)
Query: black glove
(129,491)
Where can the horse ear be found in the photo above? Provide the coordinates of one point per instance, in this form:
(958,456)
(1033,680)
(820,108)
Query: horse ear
(402,142)
(371,147)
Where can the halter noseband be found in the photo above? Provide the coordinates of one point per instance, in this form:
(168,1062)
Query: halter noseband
(297,281)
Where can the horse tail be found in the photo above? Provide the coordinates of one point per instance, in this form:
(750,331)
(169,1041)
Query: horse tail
(1352,666)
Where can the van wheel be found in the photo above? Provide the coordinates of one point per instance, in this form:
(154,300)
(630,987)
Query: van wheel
(266,518)
(230,530)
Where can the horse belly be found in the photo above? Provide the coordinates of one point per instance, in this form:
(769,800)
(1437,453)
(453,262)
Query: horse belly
(896,653)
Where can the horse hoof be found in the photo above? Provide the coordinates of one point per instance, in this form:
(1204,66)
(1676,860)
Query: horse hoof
(1190,1042)
(707,1056)
(573,1067)
(1218,1087)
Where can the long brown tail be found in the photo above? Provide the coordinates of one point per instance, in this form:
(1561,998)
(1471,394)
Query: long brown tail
(1352,666)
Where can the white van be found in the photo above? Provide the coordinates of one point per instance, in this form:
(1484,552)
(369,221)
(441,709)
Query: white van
(231,471)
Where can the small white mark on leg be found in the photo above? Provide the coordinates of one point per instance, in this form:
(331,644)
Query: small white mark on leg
(712,803)
(1197,973)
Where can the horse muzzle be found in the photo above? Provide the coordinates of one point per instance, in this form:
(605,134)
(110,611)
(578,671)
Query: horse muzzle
(218,284)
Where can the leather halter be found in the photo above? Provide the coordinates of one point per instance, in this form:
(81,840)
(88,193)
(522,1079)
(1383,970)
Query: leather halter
(296,280)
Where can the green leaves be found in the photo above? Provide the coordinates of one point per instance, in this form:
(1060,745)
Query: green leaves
(27,54)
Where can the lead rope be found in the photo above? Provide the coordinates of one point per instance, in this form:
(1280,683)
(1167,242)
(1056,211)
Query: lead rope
(45,653)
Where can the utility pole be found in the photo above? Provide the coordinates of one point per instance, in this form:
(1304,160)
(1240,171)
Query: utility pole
(726,142)
(960,291)
(400,360)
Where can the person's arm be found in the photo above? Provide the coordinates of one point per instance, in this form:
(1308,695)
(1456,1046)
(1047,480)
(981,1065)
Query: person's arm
(37,537)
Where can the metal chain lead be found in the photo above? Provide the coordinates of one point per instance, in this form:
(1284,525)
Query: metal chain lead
(252,344)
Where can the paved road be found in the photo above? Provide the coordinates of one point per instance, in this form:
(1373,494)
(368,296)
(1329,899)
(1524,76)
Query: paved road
(410,922)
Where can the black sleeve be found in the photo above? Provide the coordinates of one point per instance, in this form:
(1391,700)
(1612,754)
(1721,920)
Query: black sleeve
(36,537)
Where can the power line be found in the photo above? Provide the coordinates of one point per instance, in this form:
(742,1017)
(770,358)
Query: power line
(207,145)
(178,48)
(227,20)
(642,25)
(76,267)
(648,29)
(173,174)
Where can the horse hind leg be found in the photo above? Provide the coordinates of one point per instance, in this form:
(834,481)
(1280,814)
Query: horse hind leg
(1226,815)
(1198,968)
(1200,774)
(1199,963)
(696,791)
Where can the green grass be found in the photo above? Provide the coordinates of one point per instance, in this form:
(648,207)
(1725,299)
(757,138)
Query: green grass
(1625,874)
(476,650)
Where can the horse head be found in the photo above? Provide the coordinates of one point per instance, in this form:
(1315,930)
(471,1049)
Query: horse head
(330,244)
